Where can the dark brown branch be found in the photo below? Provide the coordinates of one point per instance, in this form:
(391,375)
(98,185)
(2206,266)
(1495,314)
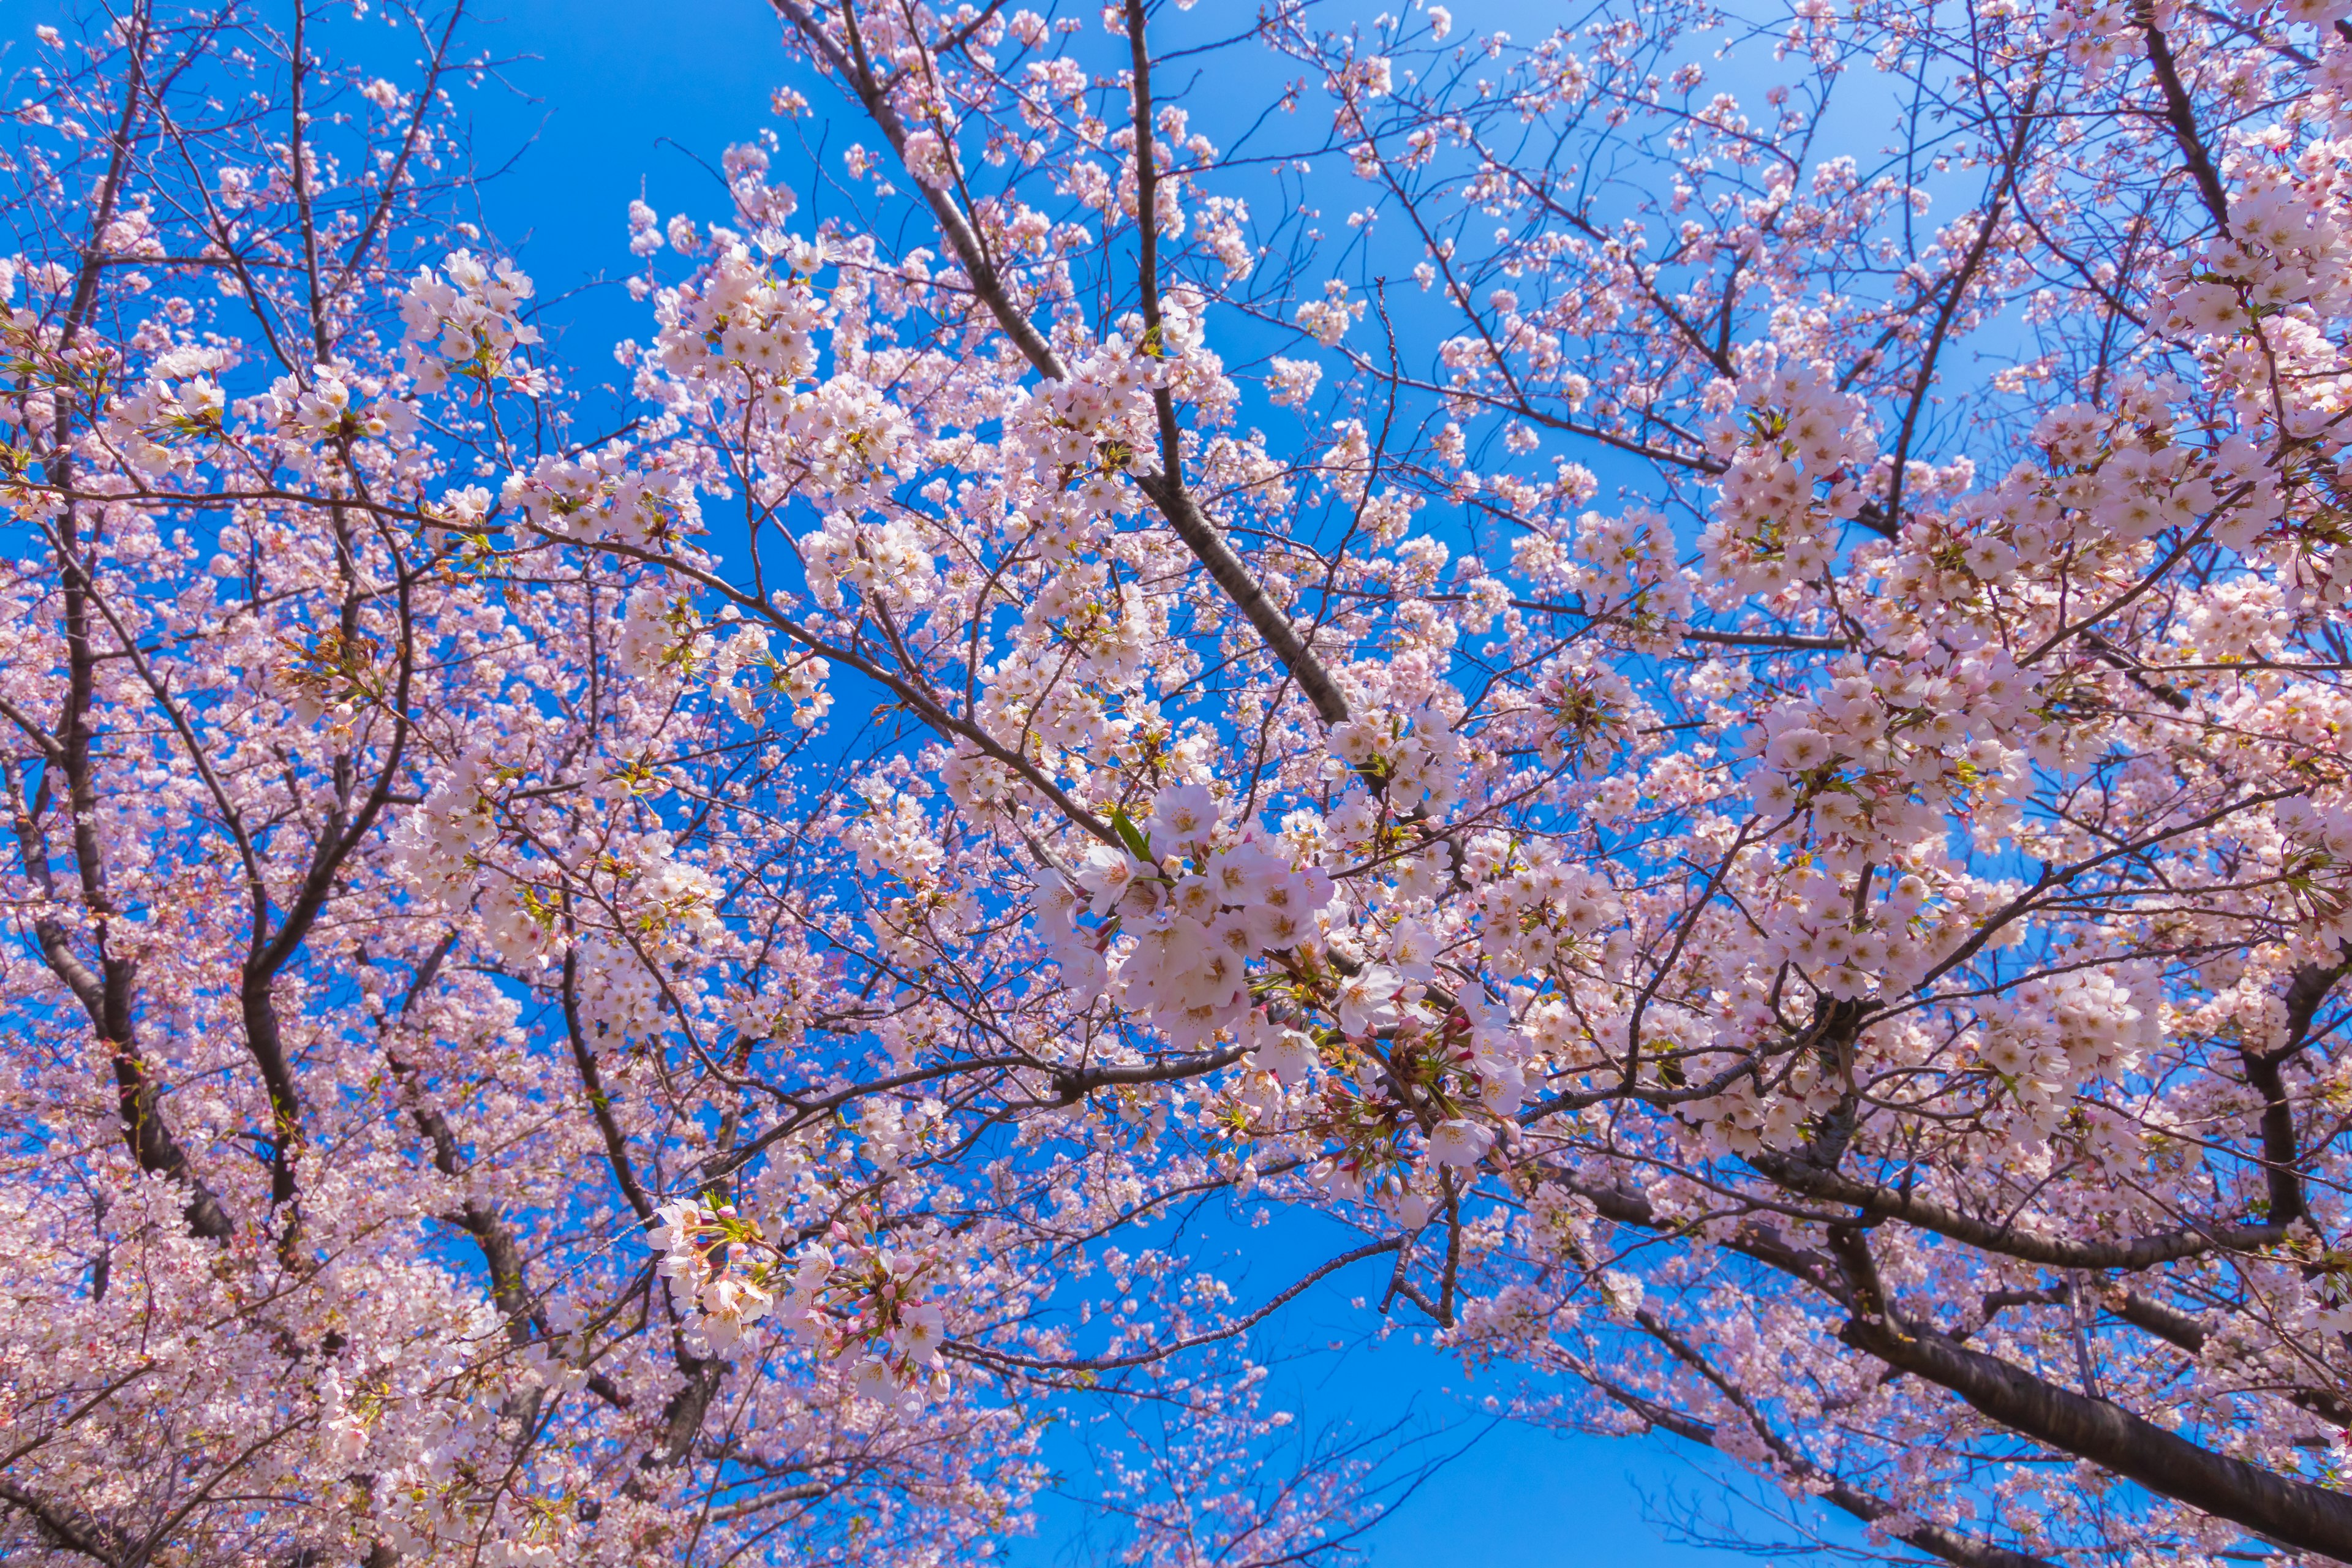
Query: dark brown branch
(2265,1074)
(600,1104)
(61,1527)
(2107,1434)
(2181,115)
(2056,1252)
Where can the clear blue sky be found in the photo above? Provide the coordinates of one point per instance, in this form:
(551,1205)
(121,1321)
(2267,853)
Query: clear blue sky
(627,97)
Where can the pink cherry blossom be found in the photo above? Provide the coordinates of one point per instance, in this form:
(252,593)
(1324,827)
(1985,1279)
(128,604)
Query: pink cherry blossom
(1725,752)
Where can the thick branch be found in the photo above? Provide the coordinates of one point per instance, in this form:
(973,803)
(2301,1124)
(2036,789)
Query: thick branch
(2181,115)
(2056,1252)
(2266,1076)
(61,1527)
(2308,1517)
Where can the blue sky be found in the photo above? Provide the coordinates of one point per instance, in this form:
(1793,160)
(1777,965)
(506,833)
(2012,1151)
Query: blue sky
(620,96)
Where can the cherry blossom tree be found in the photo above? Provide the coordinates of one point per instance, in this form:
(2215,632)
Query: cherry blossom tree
(1679,682)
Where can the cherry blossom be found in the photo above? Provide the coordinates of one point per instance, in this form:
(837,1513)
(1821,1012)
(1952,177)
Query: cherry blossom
(1702,723)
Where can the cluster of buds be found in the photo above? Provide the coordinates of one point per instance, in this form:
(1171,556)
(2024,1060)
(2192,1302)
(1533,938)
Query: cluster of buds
(720,1257)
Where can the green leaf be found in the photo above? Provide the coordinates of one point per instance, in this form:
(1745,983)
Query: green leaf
(1131,835)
